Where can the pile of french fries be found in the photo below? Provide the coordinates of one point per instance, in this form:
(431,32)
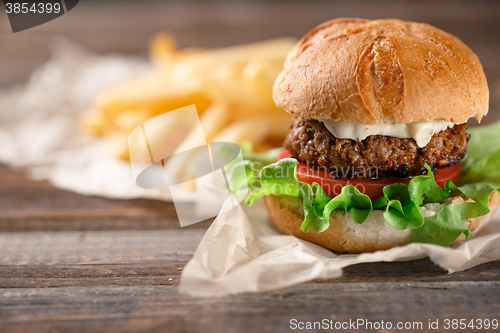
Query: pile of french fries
(231,88)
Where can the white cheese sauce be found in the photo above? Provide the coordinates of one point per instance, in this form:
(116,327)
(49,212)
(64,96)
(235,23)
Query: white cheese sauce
(421,131)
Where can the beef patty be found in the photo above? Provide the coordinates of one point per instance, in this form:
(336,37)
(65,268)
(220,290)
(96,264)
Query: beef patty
(309,141)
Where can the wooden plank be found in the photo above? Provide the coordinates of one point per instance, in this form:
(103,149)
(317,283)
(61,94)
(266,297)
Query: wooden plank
(95,223)
(93,247)
(168,273)
(422,270)
(162,308)
(91,275)
(63,287)
(27,205)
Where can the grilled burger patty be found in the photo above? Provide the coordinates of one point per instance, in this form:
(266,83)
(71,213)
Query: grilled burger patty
(309,141)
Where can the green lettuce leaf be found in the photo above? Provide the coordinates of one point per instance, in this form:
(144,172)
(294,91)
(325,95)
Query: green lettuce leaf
(321,199)
(353,202)
(264,158)
(401,212)
(312,220)
(481,170)
(280,178)
(448,224)
(401,203)
(425,189)
(253,162)
(483,154)
(479,178)
(483,142)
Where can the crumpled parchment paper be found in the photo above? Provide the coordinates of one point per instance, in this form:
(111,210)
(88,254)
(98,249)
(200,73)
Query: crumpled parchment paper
(39,131)
(243,251)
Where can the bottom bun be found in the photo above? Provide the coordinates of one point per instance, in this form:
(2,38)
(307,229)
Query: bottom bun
(345,235)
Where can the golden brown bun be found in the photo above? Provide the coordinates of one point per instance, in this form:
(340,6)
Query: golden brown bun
(345,235)
(362,71)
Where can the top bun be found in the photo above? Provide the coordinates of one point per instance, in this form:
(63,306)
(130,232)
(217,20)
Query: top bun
(364,71)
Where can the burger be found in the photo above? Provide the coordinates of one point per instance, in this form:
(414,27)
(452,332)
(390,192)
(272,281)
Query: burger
(375,153)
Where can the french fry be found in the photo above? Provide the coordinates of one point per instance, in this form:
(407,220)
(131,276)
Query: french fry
(221,70)
(162,47)
(166,132)
(212,121)
(280,122)
(206,61)
(130,119)
(94,122)
(259,75)
(252,130)
(163,134)
(156,93)
(164,52)
(231,88)
(118,144)
(234,92)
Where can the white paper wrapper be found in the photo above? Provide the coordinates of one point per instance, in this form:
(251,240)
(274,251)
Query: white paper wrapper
(243,251)
(39,130)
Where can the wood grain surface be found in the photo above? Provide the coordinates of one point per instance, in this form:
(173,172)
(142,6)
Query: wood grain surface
(73,263)
(81,278)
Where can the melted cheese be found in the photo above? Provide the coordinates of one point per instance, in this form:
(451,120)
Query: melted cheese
(421,131)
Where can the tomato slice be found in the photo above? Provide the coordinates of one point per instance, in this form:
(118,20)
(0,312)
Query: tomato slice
(371,187)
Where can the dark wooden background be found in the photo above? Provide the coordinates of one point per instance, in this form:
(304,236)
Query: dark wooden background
(87,264)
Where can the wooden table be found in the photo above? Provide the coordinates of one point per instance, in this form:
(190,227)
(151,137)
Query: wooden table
(77,263)
(86,264)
